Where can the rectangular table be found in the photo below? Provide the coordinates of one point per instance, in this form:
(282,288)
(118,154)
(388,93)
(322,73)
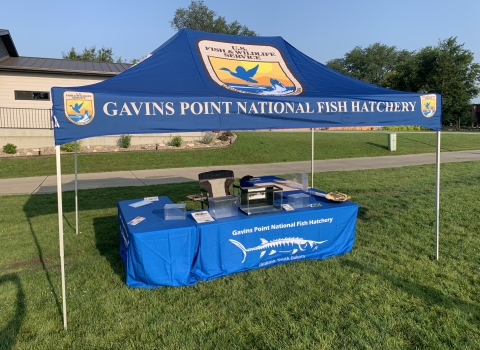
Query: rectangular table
(158,253)
(244,243)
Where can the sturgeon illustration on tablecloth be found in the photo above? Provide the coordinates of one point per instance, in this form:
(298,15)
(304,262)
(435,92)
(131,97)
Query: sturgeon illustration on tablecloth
(298,244)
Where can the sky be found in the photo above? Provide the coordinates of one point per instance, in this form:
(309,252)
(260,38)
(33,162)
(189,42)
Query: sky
(323,30)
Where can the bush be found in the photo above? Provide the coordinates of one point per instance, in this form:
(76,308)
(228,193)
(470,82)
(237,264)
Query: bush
(176,141)
(225,135)
(405,128)
(208,138)
(70,147)
(124,141)
(10,148)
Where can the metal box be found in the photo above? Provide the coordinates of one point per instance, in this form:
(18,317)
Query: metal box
(392,142)
(261,199)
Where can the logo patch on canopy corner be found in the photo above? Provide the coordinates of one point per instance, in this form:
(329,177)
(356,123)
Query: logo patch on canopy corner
(79,107)
(248,69)
(429,105)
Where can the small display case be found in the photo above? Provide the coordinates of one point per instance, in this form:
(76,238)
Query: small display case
(175,211)
(261,199)
(223,207)
(299,200)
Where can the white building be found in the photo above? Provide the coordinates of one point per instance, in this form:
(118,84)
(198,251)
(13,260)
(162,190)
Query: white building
(25,82)
(25,104)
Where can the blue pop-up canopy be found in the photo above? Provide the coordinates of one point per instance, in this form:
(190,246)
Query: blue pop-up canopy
(201,81)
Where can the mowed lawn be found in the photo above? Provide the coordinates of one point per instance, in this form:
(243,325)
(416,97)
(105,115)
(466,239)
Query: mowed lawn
(250,148)
(387,293)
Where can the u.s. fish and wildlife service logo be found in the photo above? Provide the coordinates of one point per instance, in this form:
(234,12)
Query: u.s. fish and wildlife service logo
(250,69)
(429,105)
(79,107)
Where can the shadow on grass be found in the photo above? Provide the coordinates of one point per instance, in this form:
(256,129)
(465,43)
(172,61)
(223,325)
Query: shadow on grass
(107,241)
(431,295)
(103,198)
(433,145)
(362,213)
(44,267)
(377,145)
(9,333)
(105,228)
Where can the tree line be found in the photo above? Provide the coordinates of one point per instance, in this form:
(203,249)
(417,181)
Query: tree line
(447,68)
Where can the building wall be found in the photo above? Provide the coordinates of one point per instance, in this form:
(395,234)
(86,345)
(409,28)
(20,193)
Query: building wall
(11,81)
(35,138)
(31,138)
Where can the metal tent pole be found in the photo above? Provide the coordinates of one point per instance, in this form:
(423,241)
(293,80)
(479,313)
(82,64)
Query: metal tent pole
(60,233)
(313,157)
(437,195)
(76,192)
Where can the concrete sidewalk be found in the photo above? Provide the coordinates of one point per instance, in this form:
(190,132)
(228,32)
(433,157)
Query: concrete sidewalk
(48,184)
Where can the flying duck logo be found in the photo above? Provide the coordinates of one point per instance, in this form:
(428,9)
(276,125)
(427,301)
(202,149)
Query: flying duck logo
(250,69)
(429,105)
(79,107)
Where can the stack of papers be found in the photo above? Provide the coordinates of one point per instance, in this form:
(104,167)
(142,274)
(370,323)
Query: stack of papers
(145,201)
(136,220)
(202,216)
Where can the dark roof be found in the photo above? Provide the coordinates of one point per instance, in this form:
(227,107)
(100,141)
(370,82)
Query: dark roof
(8,42)
(61,66)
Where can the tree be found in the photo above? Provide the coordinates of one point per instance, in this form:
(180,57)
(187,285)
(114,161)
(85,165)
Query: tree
(371,64)
(92,55)
(199,17)
(447,69)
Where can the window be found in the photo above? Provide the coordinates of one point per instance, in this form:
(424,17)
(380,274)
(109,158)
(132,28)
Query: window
(32,95)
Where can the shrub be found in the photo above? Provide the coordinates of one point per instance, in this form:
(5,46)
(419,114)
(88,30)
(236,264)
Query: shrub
(223,137)
(10,148)
(405,128)
(70,147)
(228,133)
(176,141)
(124,141)
(207,138)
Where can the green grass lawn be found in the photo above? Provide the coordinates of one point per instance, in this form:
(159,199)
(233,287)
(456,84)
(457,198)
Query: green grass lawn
(250,148)
(387,293)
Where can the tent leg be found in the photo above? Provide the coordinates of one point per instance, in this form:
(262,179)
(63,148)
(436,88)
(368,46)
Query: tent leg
(60,233)
(437,195)
(76,192)
(313,157)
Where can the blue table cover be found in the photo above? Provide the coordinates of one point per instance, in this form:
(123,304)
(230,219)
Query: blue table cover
(156,252)
(242,243)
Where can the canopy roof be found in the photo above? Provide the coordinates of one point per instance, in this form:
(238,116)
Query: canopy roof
(199,81)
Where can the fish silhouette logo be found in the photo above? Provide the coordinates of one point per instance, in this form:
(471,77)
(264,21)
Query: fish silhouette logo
(291,246)
(79,107)
(429,105)
(249,69)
